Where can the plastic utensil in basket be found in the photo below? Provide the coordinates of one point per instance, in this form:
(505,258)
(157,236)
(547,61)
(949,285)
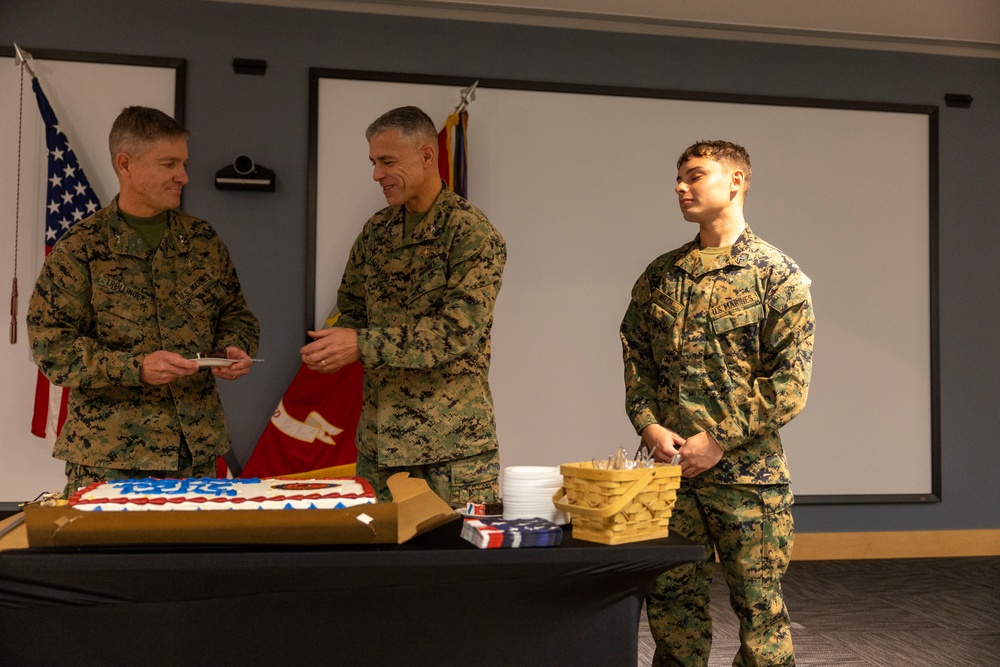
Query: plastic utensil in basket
(618,506)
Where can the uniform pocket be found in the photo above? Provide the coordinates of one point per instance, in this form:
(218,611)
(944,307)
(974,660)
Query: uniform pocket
(119,316)
(204,297)
(778,531)
(740,318)
(429,288)
(663,311)
(736,336)
(475,479)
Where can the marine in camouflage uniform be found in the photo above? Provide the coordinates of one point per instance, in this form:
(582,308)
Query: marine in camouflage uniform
(421,303)
(722,343)
(423,310)
(104,301)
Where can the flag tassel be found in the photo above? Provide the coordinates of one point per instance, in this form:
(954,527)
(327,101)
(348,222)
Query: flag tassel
(13,312)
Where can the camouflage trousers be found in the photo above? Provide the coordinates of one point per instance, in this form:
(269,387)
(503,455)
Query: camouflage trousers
(750,528)
(78,476)
(459,481)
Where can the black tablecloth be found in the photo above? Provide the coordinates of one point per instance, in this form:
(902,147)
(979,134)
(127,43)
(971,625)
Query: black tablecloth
(434,600)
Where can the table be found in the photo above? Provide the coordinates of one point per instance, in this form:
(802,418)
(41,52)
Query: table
(435,600)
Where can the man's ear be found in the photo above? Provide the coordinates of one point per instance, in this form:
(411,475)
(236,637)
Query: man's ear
(122,163)
(428,154)
(737,180)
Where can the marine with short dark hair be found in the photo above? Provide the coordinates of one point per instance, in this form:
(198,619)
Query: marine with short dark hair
(125,301)
(717,343)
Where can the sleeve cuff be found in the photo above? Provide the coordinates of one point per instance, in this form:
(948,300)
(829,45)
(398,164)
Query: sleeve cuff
(642,419)
(130,372)
(368,349)
(727,434)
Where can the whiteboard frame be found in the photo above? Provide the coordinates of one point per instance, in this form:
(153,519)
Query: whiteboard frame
(933,494)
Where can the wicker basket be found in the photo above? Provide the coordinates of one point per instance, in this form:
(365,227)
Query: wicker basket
(618,506)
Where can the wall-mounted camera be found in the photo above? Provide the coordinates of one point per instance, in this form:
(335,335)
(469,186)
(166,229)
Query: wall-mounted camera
(244,174)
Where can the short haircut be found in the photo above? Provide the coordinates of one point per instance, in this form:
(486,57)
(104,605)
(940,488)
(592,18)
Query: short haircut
(413,124)
(731,155)
(137,127)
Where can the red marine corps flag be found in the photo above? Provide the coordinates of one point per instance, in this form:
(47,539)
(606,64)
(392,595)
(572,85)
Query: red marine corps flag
(69,199)
(314,425)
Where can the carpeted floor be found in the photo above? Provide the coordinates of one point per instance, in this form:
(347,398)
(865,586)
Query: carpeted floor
(926,612)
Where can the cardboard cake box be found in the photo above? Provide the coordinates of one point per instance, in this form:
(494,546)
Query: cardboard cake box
(415,509)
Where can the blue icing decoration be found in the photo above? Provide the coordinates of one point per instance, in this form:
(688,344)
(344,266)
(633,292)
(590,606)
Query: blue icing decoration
(208,486)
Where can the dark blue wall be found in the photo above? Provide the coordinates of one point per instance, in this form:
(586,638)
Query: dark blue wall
(267,117)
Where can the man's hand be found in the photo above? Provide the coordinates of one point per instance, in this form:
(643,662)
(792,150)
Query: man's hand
(331,350)
(662,442)
(237,370)
(162,367)
(701,452)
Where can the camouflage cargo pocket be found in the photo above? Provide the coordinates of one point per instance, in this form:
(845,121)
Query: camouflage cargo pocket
(476,479)
(778,528)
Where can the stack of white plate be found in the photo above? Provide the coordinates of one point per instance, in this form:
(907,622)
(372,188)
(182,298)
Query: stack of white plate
(527,493)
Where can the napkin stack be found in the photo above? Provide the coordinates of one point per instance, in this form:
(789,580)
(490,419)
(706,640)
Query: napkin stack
(514,533)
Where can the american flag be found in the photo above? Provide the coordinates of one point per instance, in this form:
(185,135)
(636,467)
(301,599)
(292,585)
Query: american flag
(69,199)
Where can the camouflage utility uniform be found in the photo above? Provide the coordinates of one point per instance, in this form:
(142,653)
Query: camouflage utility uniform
(104,301)
(423,310)
(724,348)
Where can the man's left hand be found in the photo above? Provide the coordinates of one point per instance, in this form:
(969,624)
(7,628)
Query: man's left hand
(331,350)
(699,453)
(237,370)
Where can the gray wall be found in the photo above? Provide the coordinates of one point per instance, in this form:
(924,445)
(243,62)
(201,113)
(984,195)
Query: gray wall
(267,118)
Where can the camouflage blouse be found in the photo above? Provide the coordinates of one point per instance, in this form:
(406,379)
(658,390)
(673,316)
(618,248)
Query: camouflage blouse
(423,310)
(104,301)
(725,348)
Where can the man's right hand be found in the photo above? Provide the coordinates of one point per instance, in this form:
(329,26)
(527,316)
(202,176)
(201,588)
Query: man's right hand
(662,442)
(162,367)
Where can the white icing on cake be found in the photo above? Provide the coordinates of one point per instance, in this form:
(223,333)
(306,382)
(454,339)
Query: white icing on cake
(207,493)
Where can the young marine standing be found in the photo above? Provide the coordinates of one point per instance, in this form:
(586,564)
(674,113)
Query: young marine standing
(717,344)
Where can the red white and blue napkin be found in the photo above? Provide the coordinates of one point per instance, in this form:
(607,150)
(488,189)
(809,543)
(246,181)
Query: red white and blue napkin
(512,533)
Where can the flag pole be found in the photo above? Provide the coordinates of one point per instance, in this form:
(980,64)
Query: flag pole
(21,59)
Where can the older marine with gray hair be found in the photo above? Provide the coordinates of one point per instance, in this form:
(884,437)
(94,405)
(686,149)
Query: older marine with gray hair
(416,308)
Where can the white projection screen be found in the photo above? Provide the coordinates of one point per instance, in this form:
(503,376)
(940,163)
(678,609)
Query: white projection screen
(579,181)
